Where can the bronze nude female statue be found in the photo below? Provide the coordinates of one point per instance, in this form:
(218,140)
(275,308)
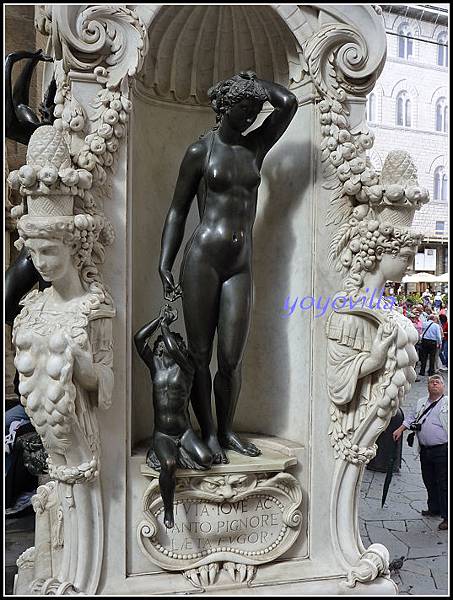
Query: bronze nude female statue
(174,441)
(223,170)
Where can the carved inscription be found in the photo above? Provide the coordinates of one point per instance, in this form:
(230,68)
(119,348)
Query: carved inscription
(250,527)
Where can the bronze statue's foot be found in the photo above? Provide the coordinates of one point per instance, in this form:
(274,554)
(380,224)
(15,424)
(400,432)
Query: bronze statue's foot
(231,441)
(218,454)
(169,521)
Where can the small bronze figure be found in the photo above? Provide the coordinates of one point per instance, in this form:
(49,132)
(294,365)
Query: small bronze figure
(20,119)
(223,170)
(174,441)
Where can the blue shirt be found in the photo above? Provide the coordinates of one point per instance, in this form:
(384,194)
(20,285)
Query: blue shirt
(431,331)
(432,432)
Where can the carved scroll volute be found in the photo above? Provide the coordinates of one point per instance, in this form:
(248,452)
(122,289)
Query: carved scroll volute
(110,41)
(342,59)
(358,42)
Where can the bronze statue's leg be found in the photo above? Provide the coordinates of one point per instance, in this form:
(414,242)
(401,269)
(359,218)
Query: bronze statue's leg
(196,449)
(201,293)
(167,452)
(233,329)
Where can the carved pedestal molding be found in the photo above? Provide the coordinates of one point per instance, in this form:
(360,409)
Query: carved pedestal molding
(233,522)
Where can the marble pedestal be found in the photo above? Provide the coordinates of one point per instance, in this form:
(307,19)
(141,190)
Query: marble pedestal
(233,518)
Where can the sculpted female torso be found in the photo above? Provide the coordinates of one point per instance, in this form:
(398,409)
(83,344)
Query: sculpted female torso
(223,171)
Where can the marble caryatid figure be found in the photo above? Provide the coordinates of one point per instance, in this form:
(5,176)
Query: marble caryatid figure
(223,170)
(174,443)
(63,335)
(371,354)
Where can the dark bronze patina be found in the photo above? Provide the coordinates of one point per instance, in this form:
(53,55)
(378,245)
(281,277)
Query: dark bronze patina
(223,170)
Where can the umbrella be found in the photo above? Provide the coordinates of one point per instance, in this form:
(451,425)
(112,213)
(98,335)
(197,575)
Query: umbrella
(389,473)
(419,278)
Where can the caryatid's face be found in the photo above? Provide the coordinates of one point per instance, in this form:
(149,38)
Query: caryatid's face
(394,267)
(51,257)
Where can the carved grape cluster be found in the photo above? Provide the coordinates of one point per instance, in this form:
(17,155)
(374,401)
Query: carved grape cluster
(370,239)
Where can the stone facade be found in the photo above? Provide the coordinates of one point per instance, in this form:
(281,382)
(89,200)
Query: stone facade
(419,79)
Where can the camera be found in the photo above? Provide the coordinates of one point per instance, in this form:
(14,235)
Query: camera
(415,427)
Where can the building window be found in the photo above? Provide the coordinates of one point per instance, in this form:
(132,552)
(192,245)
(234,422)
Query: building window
(405,43)
(440,184)
(403,110)
(442,50)
(371,108)
(441,115)
(440,227)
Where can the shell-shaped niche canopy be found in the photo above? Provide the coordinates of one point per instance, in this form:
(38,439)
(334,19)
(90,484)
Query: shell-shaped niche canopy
(191,48)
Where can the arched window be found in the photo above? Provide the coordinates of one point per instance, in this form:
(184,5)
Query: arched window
(405,43)
(441,115)
(403,110)
(371,108)
(442,50)
(440,184)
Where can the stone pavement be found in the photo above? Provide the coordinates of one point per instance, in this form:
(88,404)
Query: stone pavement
(400,525)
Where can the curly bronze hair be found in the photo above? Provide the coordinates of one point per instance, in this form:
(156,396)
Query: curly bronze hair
(179,340)
(230,91)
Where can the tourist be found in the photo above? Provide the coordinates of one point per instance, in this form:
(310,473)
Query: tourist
(444,349)
(429,423)
(438,301)
(431,339)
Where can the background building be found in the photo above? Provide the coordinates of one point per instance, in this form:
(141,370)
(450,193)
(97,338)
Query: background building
(409,109)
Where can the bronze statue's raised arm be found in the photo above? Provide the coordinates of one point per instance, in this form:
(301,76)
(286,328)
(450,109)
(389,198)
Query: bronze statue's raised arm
(189,176)
(275,125)
(142,336)
(174,350)
(20,120)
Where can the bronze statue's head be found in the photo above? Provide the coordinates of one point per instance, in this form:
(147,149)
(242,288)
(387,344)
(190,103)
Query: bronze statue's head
(242,87)
(159,348)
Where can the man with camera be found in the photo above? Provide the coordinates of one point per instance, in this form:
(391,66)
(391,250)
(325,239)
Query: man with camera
(429,426)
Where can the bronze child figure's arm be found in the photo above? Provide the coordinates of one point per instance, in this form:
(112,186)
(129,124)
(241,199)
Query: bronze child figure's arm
(171,343)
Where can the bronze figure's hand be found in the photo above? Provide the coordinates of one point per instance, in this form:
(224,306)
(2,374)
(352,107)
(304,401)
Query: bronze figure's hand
(171,290)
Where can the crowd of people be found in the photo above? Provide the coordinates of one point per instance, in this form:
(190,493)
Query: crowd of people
(428,419)
(430,318)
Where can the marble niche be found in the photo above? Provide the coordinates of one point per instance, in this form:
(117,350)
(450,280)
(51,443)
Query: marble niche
(132,83)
